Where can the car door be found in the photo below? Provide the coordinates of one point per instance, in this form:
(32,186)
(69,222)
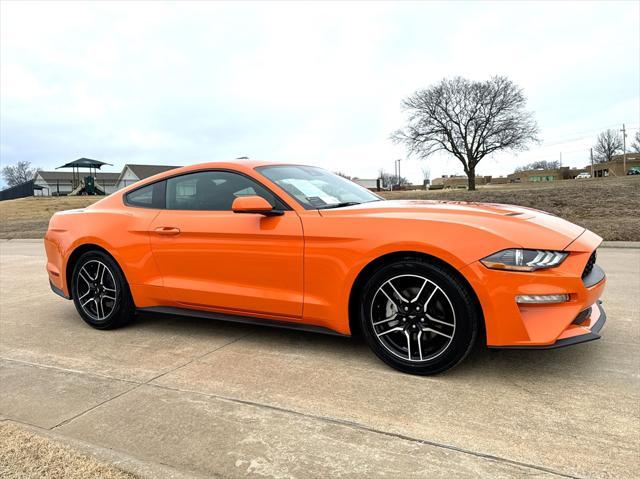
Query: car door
(213,258)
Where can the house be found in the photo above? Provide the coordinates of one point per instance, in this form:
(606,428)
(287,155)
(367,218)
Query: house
(370,184)
(457,181)
(615,167)
(60,183)
(541,175)
(132,173)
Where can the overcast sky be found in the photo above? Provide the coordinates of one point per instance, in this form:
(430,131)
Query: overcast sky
(317,83)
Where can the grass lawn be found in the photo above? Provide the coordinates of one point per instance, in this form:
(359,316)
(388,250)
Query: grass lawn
(24,454)
(29,217)
(608,206)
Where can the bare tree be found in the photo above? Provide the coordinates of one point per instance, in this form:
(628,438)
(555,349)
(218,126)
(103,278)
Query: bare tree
(468,119)
(344,175)
(387,180)
(19,173)
(426,173)
(608,143)
(635,146)
(540,165)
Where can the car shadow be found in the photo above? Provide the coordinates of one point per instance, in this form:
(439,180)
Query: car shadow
(353,350)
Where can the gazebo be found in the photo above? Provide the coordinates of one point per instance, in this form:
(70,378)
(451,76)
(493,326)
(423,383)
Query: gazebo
(84,184)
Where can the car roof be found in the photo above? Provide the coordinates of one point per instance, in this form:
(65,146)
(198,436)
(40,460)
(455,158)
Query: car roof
(239,164)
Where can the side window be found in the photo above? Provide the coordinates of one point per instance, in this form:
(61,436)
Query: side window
(150,196)
(212,191)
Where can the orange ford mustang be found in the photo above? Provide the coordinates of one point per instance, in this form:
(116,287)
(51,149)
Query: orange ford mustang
(299,247)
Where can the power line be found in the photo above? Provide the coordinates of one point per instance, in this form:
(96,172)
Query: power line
(585,135)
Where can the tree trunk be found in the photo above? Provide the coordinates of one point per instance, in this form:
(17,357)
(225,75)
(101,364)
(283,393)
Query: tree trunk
(471,175)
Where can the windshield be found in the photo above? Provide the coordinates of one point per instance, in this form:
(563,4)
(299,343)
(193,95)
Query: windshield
(315,188)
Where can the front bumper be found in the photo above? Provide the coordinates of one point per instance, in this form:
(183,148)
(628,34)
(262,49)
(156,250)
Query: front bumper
(577,333)
(542,326)
(58,291)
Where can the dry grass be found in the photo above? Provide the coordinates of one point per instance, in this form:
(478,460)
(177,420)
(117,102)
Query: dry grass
(29,217)
(24,454)
(608,206)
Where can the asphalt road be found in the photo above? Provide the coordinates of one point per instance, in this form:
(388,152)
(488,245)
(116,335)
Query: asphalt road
(209,398)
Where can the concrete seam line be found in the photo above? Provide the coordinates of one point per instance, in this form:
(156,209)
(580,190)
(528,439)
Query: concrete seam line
(68,420)
(363,427)
(197,358)
(66,370)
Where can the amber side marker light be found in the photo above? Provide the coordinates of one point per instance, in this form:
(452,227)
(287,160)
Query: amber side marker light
(541,298)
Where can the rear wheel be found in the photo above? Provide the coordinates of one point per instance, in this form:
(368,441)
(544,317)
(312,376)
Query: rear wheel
(100,291)
(418,317)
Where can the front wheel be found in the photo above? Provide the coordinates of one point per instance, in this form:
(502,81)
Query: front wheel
(418,317)
(100,291)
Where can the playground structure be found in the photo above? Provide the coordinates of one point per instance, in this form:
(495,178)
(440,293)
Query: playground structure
(85,185)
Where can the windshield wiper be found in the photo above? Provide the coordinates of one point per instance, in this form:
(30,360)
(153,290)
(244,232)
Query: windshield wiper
(340,205)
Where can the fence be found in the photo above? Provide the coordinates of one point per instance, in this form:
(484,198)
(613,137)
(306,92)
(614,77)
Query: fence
(58,188)
(19,191)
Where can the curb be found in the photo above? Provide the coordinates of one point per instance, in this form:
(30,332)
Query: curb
(621,244)
(139,468)
(22,240)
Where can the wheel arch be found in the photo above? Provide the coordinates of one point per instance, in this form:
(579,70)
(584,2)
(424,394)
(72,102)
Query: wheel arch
(76,254)
(393,257)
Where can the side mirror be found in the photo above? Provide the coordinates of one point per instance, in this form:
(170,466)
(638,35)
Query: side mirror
(254,205)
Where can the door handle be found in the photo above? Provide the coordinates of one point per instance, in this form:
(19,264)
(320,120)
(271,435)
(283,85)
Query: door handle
(167,231)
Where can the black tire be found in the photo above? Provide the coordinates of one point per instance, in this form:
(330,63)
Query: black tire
(97,279)
(446,327)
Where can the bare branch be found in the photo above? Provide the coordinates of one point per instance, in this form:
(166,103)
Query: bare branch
(468,119)
(608,143)
(19,173)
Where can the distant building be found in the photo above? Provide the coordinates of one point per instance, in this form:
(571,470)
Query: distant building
(457,181)
(542,175)
(616,166)
(500,180)
(132,173)
(370,184)
(60,183)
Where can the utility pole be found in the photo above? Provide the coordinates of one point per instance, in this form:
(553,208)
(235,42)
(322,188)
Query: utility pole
(560,159)
(592,163)
(395,172)
(398,170)
(624,150)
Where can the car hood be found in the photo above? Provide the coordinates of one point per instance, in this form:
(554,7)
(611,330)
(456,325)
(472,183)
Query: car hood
(527,227)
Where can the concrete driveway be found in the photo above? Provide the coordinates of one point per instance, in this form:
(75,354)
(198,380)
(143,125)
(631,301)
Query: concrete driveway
(213,399)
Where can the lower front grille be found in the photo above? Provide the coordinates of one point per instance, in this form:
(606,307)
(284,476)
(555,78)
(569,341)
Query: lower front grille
(589,265)
(582,316)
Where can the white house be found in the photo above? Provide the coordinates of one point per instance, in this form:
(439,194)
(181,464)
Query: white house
(132,173)
(60,183)
(371,184)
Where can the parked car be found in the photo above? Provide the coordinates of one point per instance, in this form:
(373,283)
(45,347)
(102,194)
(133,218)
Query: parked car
(583,176)
(634,170)
(299,247)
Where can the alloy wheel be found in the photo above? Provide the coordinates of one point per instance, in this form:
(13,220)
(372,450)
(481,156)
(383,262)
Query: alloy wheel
(413,318)
(96,290)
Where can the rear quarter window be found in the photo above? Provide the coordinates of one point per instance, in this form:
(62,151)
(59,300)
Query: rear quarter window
(150,196)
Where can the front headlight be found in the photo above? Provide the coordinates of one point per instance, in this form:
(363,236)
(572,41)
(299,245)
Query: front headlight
(524,259)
